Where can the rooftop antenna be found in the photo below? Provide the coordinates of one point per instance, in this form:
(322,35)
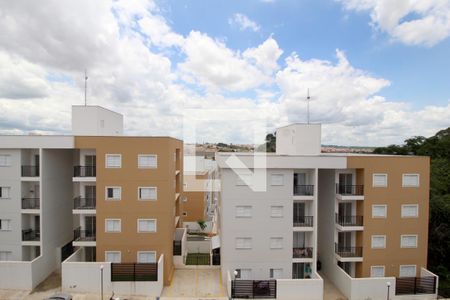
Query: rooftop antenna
(308,98)
(85,87)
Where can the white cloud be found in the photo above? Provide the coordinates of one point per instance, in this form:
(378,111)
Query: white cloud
(412,22)
(243,22)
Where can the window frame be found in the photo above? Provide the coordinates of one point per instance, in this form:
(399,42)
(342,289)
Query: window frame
(8,222)
(6,253)
(410,174)
(243,247)
(113,252)
(115,219)
(146,251)
(377,236)
(113,167)
(400,270)
(276,238)
(385,211)
(409,235)
(379,174)
(244,207)
(274,175)
(147,187)
(147,167)
(380,266)
(113,187)
(7,188)
(410,217)
(7,160)
(272,272)
(141,231)
(276,216)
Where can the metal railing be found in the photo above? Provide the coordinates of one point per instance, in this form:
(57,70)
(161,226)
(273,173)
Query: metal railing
(216,259)
(177,247)
(303,190)
(198,259)
(305,252)
(350,190)
(30,171)
(31,235)
(303,221)
(84,171)
(30,203)
(415,285)
(83,235)
(134,272)
(84,203)
(251,289)
(344,251)
(349,220)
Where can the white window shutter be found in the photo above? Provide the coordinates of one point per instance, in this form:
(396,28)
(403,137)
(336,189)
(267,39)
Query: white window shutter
(410,180)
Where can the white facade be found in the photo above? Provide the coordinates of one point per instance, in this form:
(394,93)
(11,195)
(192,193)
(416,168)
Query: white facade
(299,139)
(96,121)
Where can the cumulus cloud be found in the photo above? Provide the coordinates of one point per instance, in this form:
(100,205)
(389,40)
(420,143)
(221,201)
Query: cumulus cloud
(243,22)
(418,22)
(126,47)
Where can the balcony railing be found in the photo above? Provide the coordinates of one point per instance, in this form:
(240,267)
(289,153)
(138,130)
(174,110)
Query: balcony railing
(253,289)
(84,203)
(177,248)
(84,171)
(350,190)
(31,235)
(349,220)
(303,221)
(30,171)
(30,203)
(344,251)
(83,235)
(306,252)
(303,190)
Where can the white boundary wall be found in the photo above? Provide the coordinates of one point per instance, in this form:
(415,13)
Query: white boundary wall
(300,289)
(18,275)
(84,277)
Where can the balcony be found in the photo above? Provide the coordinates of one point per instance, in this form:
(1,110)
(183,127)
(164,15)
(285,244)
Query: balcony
(84,171)
(349,192)
(80,235)
(349,221)
(84,203)
(303,190)
(30,235)
(30,171)
(348,252)
(303,221)
(306,252)
(30,203)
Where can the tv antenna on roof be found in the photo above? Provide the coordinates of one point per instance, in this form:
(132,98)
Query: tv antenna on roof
(85,87)
(308,99)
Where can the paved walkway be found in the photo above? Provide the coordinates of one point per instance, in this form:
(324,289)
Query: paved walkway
(330,291)
(195,284)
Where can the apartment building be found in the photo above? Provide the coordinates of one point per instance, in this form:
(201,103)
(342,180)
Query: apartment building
(113,198)
(361,220)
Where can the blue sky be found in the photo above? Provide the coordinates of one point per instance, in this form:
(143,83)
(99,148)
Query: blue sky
(377,70)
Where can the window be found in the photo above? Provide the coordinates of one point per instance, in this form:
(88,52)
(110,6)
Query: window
(113,256)
(407,270)
(147,161)
(4,192)
(410,180)
(113,193)
(113,160)
(378,241)
(276,179)
(113,225)
(377,271)
(410,211)
(147,193)
(276,273)
(379,211)
(408,241)
(5,160)
(146,225)
(243,243)
(379,180)
(5,224)
(276,243)
(276,211)
(146,256)
(243,211)
(244,179)
(5,255)
(243,274)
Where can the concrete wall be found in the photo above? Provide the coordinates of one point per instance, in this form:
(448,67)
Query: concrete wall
(16,275)
(11,208)
(299,139)
(74,278)
(96,121)
(260,227)
(300,289)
